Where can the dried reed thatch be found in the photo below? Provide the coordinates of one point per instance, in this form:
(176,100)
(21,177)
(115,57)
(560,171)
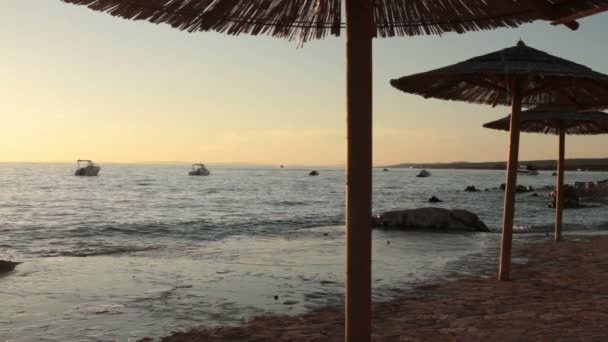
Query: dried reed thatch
(548,80)
(313,19)
(550,122)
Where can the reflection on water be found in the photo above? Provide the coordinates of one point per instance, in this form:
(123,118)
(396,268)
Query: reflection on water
(220,282)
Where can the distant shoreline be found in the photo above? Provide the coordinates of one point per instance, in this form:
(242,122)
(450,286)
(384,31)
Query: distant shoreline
(584,164)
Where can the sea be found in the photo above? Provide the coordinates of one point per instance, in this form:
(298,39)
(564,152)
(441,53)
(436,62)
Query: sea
(144,250)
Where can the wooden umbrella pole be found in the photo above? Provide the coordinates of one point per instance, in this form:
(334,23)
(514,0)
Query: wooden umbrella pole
(559,200)
(359,21)
(511,185)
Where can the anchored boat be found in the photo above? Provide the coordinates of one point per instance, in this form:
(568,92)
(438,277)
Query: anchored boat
(527,170)
(86,167)
(199,170)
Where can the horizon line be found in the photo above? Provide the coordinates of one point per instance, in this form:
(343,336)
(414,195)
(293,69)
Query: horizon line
(176,162)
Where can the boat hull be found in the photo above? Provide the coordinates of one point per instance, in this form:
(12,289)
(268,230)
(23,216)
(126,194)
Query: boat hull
(88,171)
(199,172)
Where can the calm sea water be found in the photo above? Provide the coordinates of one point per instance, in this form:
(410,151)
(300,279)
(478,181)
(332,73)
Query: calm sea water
(143,250)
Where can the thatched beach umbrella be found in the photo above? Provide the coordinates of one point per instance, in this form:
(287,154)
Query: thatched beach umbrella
(304,20)
(519,75)
(559,123)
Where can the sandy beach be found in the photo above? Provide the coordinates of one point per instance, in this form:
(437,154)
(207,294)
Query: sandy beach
(560,294)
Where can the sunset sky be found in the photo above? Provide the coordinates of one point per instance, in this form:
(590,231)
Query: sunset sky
(80,84)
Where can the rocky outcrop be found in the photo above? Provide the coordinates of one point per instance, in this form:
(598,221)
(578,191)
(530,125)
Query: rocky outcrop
(518,189)
(314,173)
(571,198)
(435,199)
(424,173)
(522,189)
(7,266)
(431,218)
(579,193)
(471,188)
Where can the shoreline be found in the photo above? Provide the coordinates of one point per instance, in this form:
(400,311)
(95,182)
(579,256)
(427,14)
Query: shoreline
(560,293)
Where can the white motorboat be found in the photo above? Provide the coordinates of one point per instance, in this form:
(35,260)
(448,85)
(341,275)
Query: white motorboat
(199,170)
(527,170)
(86,167)
(424,173)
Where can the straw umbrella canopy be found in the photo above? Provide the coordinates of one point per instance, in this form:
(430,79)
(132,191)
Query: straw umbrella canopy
(303,20)
(519,75)
(558,123)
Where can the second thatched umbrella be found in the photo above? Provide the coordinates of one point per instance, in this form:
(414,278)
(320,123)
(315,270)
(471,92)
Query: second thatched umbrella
(519,76)
(559,123)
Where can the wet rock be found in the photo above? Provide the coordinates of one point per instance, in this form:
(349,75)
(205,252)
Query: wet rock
(471,188)
(385,170)
(314,173)
(290,302)
(434,199)
(424,173)
(518,189)
(522,188)
(7,266)
(571,198)
(326,282)
(431,219)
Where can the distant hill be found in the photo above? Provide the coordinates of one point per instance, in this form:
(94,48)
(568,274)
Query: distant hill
(591,164)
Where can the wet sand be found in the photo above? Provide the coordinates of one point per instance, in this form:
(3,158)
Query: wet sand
(561,294)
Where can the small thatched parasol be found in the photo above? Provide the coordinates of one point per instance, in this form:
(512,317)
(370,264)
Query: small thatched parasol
(517,75)
(558,123)
(547,80)
(312,19)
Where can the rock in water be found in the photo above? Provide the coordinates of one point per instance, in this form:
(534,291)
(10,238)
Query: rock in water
(434,199)
(471,188)
(571,199)
(314,173)
(522,189)
(431,218)
(7,266)
(424,173)
(518,189)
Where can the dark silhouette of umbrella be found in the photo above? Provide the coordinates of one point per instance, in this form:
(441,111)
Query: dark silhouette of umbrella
(519,75)
(559,123)
(365,19)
